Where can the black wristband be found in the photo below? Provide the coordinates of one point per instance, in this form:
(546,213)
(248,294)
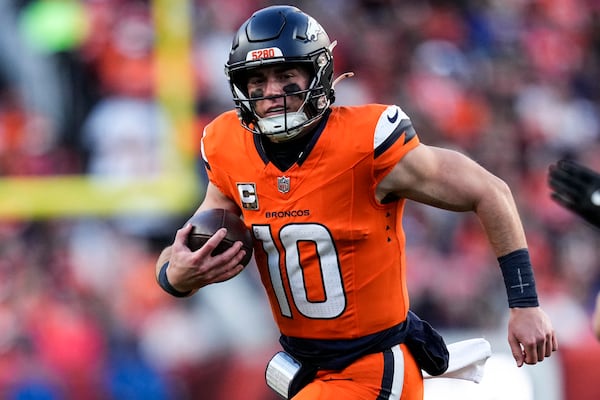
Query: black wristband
(518,278)
(166,285)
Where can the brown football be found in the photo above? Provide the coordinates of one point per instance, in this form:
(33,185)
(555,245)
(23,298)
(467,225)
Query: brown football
(206,223)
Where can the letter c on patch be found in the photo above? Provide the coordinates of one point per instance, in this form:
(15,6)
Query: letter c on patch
(248,198)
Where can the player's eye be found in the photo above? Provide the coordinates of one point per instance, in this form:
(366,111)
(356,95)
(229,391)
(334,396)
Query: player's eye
(289,75)
(254,82)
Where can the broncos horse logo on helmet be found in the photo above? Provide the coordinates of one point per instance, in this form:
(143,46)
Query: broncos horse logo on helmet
(281,35)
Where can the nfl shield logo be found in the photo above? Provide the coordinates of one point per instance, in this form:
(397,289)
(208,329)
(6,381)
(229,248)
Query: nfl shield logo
(283,184)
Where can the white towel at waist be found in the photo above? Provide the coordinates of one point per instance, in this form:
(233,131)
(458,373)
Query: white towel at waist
(467,360)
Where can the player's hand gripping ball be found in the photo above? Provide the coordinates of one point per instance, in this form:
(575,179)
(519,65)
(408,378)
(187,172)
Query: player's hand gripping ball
(206,223)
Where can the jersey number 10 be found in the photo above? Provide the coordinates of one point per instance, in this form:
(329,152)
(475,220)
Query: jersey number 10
(289,237)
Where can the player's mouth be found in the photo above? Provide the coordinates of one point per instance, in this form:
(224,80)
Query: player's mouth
(275,110)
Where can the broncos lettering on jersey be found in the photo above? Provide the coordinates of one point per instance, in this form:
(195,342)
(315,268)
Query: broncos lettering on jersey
(330,256)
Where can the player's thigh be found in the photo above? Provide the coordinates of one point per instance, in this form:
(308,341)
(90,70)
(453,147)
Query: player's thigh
(391,375)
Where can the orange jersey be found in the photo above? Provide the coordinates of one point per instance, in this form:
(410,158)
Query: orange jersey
(330,256)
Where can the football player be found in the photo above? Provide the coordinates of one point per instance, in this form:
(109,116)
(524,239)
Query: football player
(577,188)
(323,190)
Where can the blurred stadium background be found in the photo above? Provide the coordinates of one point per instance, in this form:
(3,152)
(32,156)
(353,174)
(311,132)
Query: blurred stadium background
(102,103)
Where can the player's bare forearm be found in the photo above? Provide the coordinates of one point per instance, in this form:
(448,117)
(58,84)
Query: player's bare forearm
(436,177)
(500,218)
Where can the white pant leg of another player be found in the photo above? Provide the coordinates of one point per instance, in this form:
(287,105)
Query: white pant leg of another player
(465,379)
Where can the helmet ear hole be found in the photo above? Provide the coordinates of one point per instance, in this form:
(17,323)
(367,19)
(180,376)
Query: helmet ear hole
(322,102)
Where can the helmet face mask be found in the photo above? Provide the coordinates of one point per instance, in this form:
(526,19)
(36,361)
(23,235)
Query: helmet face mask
(281,35)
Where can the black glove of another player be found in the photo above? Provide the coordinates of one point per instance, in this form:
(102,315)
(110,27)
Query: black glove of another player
(576,188)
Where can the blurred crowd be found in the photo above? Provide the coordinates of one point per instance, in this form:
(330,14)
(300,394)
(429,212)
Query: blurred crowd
(512,83)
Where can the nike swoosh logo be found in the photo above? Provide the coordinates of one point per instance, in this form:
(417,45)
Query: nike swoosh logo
(595,199)
(394,117)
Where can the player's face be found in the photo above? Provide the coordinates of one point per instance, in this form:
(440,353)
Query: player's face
(276,81)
